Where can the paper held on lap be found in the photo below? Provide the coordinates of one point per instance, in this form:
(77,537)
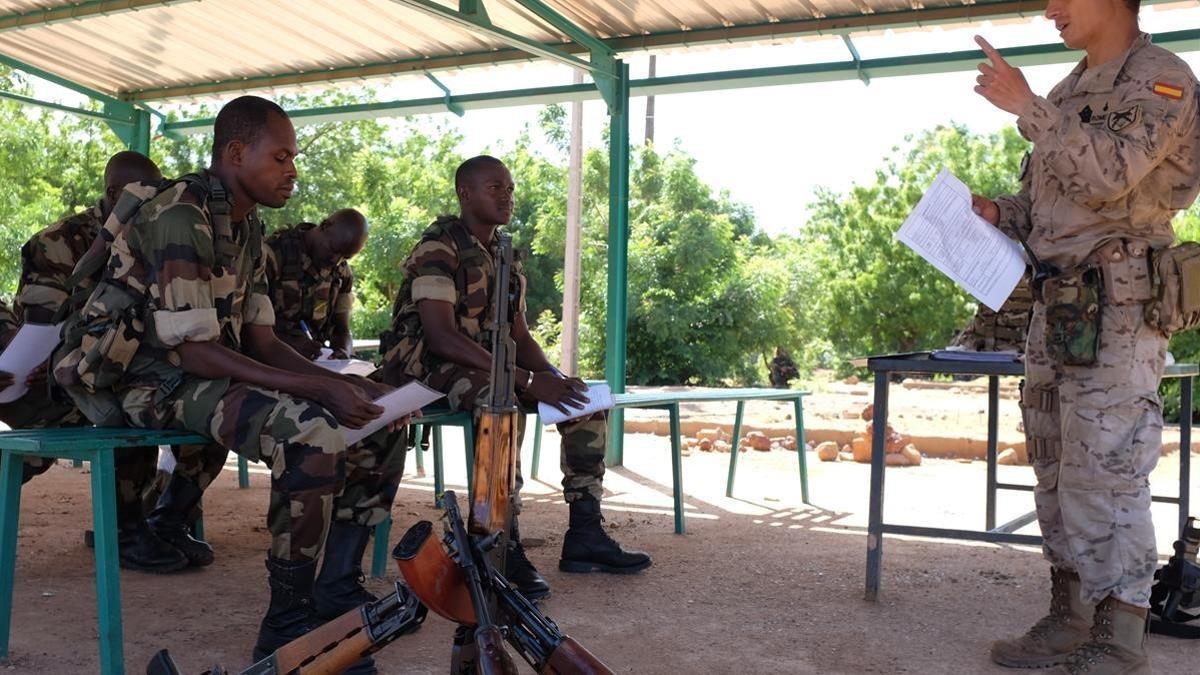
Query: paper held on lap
(599,398)
(403,401)
(944,230)
(347,366)
(30,348)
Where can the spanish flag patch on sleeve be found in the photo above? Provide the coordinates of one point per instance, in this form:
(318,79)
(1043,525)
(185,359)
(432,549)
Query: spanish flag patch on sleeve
(1169,90)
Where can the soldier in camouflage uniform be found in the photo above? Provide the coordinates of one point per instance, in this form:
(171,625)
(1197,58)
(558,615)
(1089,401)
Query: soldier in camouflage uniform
(47,260)
(311,285)
(1116,153)
(439,334)
(179,335)
(1002,331)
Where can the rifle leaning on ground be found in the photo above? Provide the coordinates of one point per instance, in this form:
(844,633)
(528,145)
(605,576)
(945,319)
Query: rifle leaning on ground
(335,646)
(1177,587)
(461,576)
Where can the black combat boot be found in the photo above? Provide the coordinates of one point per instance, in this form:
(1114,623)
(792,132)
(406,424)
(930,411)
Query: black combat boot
(168,520)
(139,548)
(520,572)
(339,587)
(290,614)
(588,548)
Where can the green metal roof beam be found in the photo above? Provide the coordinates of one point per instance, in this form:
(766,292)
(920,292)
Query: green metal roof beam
(450,104)
(478,24)
(76,12)
(60,81)
(782,29)
(603,57)
(78,112)
(1187,40)
(866,79)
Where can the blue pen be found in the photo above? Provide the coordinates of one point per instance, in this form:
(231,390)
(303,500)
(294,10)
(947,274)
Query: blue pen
(304,327)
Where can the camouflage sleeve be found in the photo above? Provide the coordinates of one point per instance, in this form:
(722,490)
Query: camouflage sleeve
(345,299)
(432,267)
(8,324)
(46,263)
(1015,220)
(1100,163)
(259,309)
(177,246)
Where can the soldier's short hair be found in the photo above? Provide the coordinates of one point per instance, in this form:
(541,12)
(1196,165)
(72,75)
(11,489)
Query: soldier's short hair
(242,119)
(471,166)
(1133,5)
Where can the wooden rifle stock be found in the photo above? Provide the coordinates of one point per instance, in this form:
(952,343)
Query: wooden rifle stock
(432,575)
(495,471)
(491,657)
(570,658)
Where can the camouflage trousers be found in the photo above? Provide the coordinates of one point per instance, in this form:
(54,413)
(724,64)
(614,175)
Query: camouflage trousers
(1094,434)
(581,455)
(300,442)
(134,466)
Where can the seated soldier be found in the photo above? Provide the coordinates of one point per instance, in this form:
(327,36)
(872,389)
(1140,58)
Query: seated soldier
(179,335)
(311,285)
(44,296)
(439,335)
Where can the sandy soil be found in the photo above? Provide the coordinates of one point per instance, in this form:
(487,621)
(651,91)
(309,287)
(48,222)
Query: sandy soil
(760,583)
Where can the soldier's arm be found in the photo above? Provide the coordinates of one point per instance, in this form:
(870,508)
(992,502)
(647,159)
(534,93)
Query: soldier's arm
(46,262)
(1014,217)
(1102,163)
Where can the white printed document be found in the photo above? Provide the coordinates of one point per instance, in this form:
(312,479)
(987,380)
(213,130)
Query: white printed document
(347,366)
(29,348)
(599,398)
(944,230)
(403,401)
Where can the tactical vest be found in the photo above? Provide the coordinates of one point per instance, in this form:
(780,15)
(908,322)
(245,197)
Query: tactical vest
(105,330)
(290,254)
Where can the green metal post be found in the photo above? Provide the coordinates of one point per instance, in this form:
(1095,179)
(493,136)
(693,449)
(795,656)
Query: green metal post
(733,454)
(140,138)
(618,259)
(10,510)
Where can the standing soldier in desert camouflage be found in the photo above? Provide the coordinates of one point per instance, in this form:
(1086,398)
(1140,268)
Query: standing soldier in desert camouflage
(44,296)
(311,285)
(179,334)
(439,334)
(1116,153)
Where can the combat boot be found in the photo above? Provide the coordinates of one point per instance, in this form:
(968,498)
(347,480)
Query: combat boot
(1117,645)
(168,520)
(290,613)
(520,572)
(339,587)
(138,548)
(588,548)
(1055,635)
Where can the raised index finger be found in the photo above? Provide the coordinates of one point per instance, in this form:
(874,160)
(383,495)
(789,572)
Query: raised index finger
(990,51)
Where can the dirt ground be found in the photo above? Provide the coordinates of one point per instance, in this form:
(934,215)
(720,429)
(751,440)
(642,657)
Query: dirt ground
(760,582)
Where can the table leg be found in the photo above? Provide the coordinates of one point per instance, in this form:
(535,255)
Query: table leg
(677,468)
(10,510)
(875,518)
(993,426)
(801,447)
(1185,449)
(108,580)
(733,454)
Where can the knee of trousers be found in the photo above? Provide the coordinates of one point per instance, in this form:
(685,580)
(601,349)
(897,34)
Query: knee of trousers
(313,449)
(1111,447)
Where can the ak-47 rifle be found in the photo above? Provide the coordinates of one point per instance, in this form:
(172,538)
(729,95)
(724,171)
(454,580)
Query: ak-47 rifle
(335,646)
(1177,587)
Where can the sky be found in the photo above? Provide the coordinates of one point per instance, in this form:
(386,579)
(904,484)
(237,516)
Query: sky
(772,147)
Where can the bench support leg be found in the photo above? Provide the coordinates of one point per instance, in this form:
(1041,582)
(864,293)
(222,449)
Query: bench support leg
(439,469)
(733,454)
(10,509)
(243,472)
(469,446)
(537,446)
(417,431)
(801,450)
(380,552)
(108,582)
(677,468)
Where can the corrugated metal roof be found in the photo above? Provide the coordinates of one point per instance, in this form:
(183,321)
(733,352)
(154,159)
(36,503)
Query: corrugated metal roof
(153,49)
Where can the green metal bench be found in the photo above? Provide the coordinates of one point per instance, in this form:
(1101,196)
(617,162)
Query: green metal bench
(82,444)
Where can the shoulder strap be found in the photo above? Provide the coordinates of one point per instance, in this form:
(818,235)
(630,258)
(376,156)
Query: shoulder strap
(291,253)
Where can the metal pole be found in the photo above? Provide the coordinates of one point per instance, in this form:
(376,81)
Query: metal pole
(572,261)
(650,106)
(618,258)
(993,431)
(139,140)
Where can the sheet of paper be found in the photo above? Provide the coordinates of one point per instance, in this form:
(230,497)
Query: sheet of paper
(347,366)
(30,347)
(599,398)
(403,401)
(944,230)
(325,355)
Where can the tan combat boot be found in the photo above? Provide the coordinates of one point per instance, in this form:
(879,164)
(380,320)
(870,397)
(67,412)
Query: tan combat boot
(1117,645)
(1054,636)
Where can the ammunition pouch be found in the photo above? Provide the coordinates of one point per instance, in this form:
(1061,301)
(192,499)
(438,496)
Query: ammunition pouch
(1073,302)
(1174,304)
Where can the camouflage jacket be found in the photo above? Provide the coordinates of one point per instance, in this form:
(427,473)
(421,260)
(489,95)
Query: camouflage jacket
(174,276)
(451,265)
(300,291)
(48,259)
(1116,153)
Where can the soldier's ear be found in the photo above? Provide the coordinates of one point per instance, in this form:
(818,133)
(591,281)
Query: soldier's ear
(235,153)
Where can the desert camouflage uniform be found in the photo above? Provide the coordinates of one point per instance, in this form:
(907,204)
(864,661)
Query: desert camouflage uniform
(195,281)
(1005,330)
(1114,158)
(449,264)
(302,292)
(47,260)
